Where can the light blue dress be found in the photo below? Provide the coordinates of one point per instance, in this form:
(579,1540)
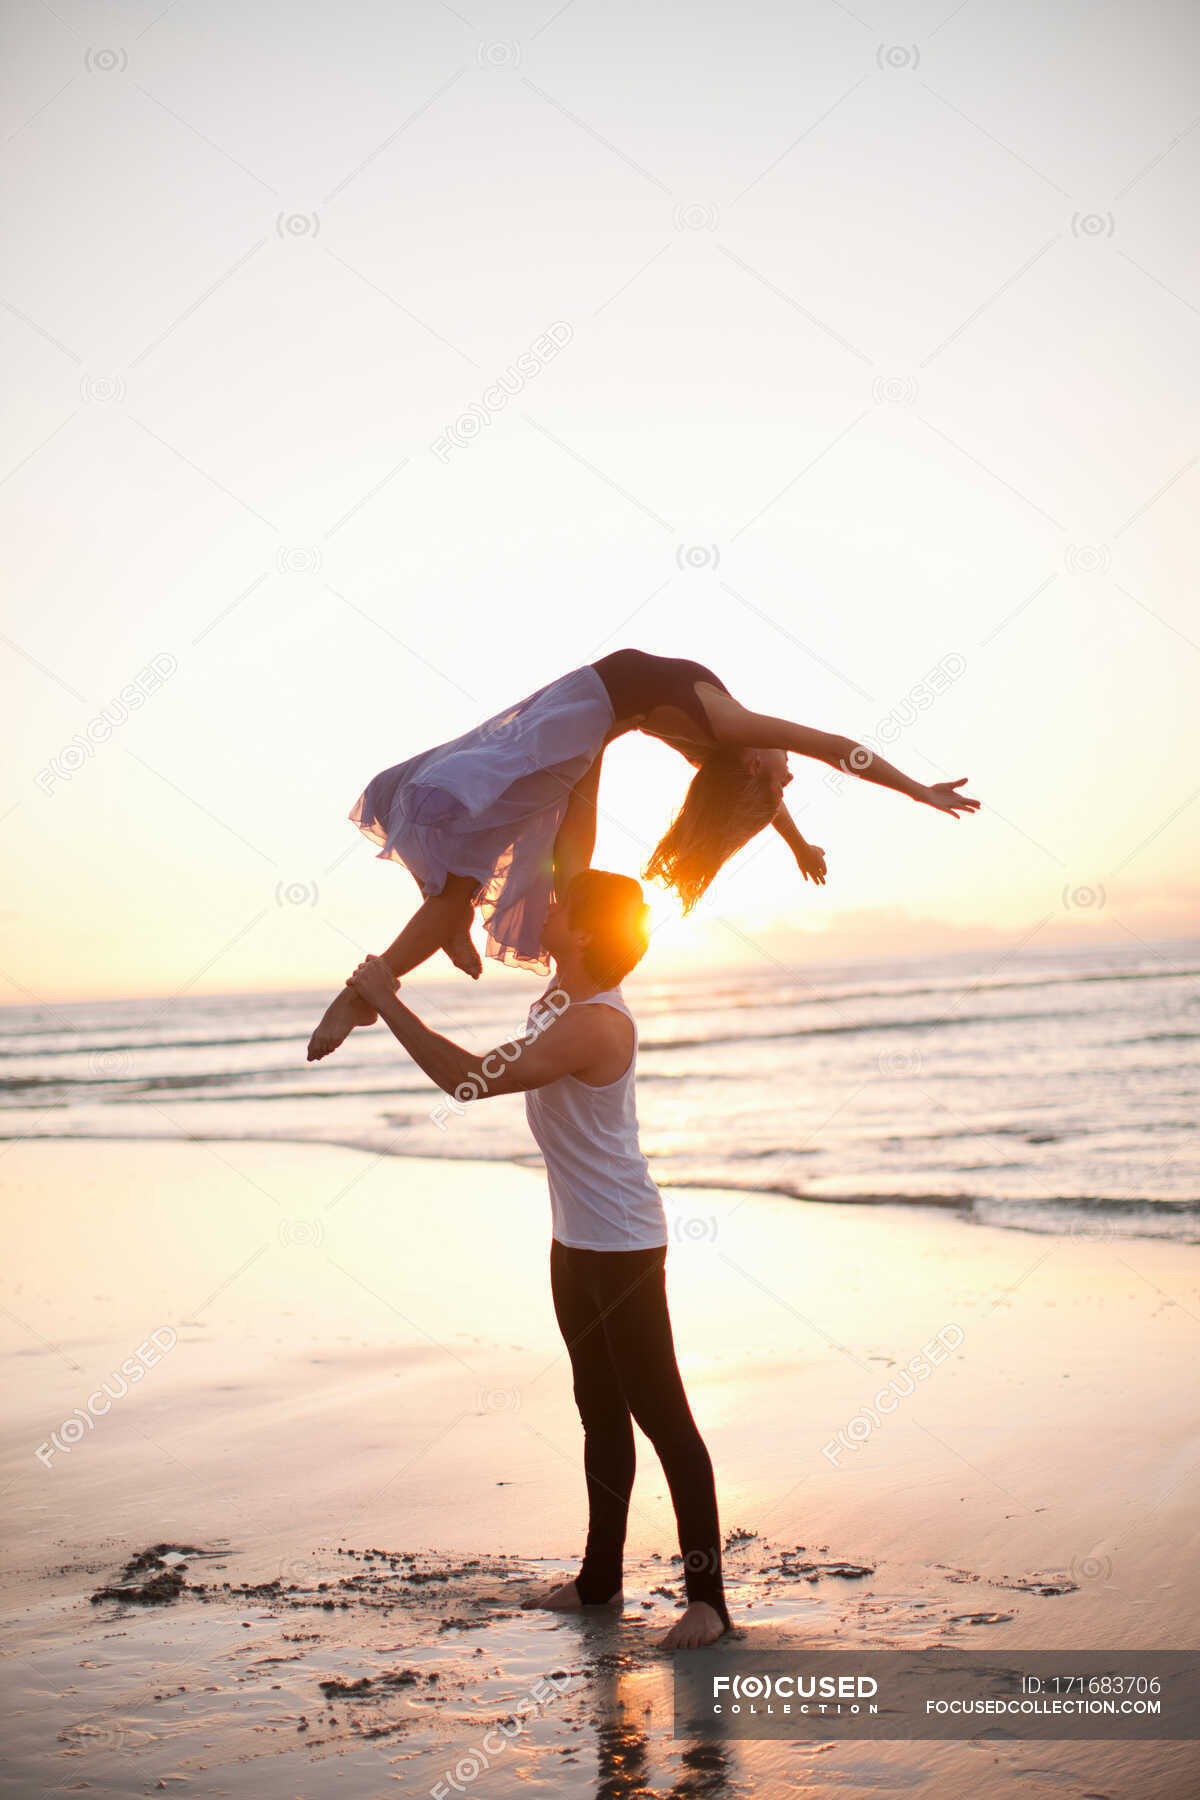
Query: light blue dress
(489,805)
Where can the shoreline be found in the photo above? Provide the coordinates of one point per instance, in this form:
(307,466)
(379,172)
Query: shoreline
(1109,1211)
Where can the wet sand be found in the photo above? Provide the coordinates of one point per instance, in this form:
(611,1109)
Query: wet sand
(351,1450)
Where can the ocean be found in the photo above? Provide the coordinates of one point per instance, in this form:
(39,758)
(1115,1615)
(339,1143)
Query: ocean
(1041,1090)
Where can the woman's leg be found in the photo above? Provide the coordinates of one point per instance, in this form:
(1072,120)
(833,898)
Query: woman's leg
(631,1289)
(441,923)
(609,1458)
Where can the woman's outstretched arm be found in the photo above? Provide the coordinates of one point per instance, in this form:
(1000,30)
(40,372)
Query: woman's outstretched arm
(732,723)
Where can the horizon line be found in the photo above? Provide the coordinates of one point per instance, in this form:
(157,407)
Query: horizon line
(675,962)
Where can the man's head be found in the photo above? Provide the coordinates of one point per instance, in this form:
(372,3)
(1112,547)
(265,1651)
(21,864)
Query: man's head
(601,927)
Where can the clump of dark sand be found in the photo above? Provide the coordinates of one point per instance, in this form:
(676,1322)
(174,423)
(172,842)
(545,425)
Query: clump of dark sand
(793,1563)
(1039,1584)
(150,1579)
(370,1684)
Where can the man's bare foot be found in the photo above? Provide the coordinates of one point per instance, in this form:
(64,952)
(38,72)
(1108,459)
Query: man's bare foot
(463,954)
(564,1599)
(700,1625)
(342,1014)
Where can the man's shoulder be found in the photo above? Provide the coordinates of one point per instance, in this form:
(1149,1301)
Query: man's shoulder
(600,1036)
(611,1028)
(594,1018)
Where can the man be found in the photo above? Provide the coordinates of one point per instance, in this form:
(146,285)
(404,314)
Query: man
(576,1068)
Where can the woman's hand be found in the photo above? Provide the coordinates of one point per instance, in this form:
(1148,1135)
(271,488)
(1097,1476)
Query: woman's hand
(810,860)
(373,981)
(945,797)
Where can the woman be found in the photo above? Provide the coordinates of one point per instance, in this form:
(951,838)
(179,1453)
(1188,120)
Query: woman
(506,814)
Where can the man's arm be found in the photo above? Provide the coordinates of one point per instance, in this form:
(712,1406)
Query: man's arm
(576,838)
(570,1045)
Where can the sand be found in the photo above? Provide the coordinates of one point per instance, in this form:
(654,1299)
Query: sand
(352,1448)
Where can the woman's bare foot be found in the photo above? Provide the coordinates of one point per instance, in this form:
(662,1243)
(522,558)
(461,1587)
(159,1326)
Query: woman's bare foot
(564,1599)
(344,1012)
(462,952)
(700,1625)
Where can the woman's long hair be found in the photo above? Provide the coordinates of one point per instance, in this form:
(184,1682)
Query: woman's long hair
(722,809)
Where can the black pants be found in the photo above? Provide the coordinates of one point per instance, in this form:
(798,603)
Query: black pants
(611,1307)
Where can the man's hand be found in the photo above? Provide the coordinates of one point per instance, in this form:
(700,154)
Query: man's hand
(810,860)
(373,982)
(945,797)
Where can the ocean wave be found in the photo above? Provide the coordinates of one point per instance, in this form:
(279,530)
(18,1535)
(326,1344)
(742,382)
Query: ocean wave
(106,1046)
(1091,1214)
(116,1035)
(197,1087)
(1052,1214)
(813,994)
(860,1026)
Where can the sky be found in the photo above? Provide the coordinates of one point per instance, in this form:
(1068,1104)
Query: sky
(852,351)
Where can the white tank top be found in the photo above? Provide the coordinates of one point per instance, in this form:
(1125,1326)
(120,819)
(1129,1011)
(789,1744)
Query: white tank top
(601,1194)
